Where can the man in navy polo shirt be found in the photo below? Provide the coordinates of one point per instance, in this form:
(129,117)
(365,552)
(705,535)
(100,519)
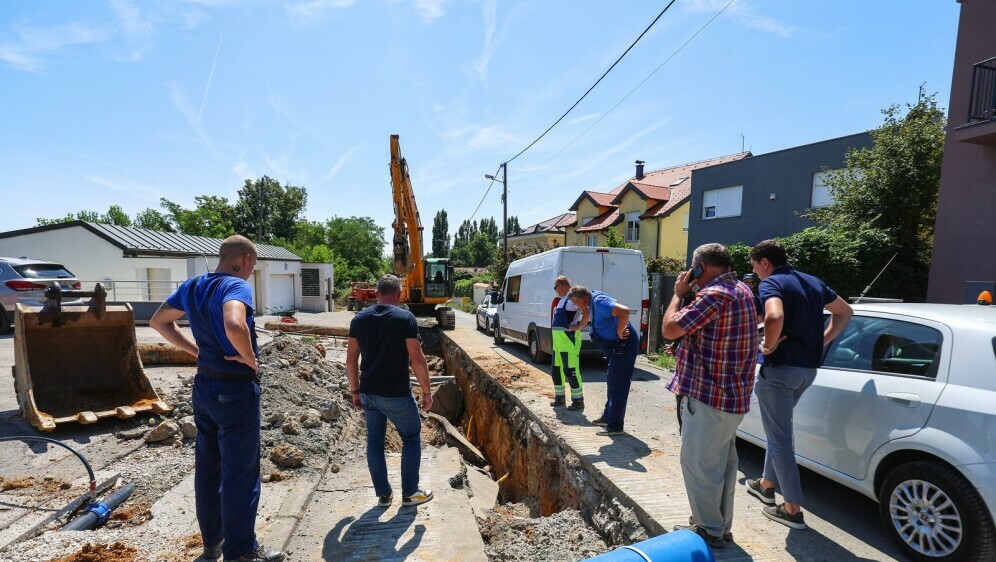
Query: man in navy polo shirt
(225,400)
(612,332)
(795,335)
(386,337)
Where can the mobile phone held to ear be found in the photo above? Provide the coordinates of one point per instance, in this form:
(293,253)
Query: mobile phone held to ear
(696,272)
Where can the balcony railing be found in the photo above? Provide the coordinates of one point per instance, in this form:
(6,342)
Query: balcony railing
(982,106)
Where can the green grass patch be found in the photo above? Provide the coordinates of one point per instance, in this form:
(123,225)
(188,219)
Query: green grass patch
(662,360)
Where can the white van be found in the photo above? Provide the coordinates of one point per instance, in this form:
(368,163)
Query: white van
(527,296)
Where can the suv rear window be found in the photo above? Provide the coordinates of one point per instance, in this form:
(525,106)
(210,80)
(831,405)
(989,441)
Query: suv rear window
(43,271)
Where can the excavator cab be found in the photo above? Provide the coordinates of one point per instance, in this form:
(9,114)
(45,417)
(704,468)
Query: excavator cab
(438,278)
(79,363)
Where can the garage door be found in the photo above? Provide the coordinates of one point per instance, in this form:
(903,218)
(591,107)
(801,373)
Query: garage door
(281,292)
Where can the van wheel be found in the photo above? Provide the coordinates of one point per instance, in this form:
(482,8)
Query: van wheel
(934,514)
(4,321)
(499,339)
(535,353)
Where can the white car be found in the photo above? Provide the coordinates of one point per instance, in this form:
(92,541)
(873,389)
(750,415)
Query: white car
(903,410)
(486,313)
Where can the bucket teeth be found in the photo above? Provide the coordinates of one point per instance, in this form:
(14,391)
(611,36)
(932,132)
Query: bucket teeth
(124,412)
(161,407)
(86,417)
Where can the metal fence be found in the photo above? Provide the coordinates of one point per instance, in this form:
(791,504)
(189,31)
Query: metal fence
(661,291)
(983,104)
(134,291)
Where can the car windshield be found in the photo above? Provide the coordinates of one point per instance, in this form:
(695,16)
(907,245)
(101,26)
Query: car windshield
(43,271)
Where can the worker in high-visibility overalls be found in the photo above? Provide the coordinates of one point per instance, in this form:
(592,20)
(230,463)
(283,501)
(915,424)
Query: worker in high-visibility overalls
(566,326)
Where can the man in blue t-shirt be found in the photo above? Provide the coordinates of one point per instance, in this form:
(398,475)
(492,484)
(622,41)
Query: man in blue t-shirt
(225,400)
(795,335)
(386,337)
(612,332)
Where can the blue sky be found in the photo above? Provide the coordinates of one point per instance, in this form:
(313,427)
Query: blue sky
(127,101)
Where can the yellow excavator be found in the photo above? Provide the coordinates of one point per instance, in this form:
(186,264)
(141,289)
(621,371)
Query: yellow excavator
(426,283)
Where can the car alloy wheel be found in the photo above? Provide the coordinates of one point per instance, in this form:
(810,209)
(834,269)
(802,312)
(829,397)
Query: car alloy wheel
(925,518)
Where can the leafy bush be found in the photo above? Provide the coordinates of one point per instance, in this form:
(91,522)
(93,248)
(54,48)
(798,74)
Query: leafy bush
(661,264)
(464,288)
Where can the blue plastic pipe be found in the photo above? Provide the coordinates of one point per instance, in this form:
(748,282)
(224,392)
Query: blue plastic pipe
(677,546)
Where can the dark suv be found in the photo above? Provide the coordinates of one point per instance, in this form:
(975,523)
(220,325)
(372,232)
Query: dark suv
(24,280)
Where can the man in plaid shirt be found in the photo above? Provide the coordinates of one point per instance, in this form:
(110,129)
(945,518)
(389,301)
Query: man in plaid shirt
(713,378)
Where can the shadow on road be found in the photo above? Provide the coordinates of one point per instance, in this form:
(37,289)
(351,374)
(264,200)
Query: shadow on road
(369,538)
(847,510)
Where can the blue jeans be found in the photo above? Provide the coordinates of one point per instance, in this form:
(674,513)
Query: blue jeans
(403,413)
(226,462)
(778,390)
(622,360)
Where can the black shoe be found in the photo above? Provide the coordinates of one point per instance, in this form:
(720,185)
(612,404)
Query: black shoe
(261,555)
(558,401)
(778,513)
(610,432)
(212,552)
(713,542)
(576,405)
(754,488)
(728,537)
(385,501)
(599,422)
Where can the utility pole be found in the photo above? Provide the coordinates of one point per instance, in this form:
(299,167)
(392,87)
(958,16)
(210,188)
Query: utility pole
(504,200)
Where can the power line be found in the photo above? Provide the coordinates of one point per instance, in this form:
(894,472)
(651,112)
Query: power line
(624,98)
(495,175)
(666,8)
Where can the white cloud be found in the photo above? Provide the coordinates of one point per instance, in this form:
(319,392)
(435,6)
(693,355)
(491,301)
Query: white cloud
(241,168)
(138,30)
(430,9)
(26,50)
(583,119)
(742,12)
(490,13)
(313,8)
(340,162)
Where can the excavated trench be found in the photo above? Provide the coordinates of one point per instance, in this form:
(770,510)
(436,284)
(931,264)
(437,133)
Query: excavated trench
(532,467)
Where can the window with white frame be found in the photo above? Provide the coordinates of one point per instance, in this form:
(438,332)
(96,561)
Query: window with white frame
(592,240)
(821,191)
(725,202)
(633,226)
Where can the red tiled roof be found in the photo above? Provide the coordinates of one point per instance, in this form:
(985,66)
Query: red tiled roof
(555,225)
(679,195)
(667,176)
(596,198)
(601,222)
(567,219)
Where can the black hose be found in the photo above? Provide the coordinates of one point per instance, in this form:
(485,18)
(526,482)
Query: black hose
(98,513)
(89,470)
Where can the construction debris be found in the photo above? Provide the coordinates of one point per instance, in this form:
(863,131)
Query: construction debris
(512,535)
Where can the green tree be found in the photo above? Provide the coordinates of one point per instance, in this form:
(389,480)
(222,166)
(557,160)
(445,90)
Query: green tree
(115,215)
(500,261)
(489,228)
(359,242)
(891,190)
(665,264)
(153,220)
(88,216)
(212,216)
(279,206)
(440,235)
(482,250)
(613,239)
(512,225)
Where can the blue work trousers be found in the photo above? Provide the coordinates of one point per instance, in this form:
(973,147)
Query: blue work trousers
(226,457)
(403,413)
(622,359)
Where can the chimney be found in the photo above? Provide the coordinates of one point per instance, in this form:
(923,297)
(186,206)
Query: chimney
(639,169)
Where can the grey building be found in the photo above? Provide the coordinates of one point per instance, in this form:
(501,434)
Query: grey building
(763,196)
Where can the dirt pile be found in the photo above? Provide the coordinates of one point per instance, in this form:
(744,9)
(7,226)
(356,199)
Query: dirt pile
(511,535)
(117,552)
(306,404)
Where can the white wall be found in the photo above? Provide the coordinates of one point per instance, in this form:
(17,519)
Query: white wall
(325,278)
(91,258)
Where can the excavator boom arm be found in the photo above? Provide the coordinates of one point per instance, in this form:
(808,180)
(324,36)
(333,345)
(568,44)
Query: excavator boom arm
(408,261)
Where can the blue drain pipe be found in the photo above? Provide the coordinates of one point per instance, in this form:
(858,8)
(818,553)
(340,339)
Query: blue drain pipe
(677,546)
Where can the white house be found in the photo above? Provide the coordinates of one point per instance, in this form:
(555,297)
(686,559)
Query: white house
(141,265)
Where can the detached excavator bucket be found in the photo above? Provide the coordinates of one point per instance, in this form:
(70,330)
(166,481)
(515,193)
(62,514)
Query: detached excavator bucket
(79,363)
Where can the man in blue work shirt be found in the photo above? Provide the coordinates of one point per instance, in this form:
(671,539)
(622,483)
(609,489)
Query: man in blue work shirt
(225,400)
(386,338)
(795,335)
(612,332)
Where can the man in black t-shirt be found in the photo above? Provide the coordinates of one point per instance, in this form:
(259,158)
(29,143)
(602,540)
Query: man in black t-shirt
(386,337)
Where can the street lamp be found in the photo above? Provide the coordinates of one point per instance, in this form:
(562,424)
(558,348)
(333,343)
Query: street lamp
(504,201)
